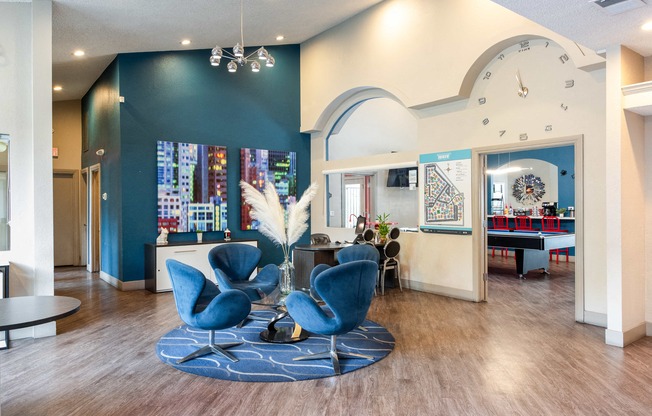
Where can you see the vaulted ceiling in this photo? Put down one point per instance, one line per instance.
(105, 28)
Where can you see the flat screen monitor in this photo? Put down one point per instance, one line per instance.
(360, 225)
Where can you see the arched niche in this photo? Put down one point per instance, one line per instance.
(372, 127)
(369, 135)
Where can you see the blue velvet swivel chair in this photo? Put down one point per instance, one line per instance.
(347, 290)
(233, 263)
(346, 255)
(201, 305)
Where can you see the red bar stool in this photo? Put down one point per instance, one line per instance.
(554, 224)
(523, 223)
(500, 222)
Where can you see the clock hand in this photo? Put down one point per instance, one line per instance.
(522, 91)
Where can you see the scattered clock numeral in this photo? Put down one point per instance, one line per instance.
(564, 58)
(501, 56)
(564, 107)
(570, 83)
(502, 132)
(482, 100)
(485, 121)
(547, 43)
(549, 127)
(524, 46)
(487, 75)
(522, 136)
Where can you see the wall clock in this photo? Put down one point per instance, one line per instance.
(531, 79)
(528, 189)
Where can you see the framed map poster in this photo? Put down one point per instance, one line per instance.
(446, 202)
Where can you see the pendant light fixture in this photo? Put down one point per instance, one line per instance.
(238, 57)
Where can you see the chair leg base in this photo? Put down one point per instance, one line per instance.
(217, 349)
(334, 354)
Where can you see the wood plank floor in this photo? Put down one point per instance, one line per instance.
(521, 353)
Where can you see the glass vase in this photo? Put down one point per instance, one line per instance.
(287, 275)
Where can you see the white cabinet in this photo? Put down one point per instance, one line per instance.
(193, 254)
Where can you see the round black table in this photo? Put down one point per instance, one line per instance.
(26, 311)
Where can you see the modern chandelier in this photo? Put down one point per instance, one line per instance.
(237, 57)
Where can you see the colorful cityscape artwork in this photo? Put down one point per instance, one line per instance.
(259, 166)
(191, 187)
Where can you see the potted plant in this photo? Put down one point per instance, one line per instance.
(199, 236)
(561, 211)
(383, 227)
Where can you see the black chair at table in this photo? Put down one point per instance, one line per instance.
(391, 250)
(394, 233)
(368, 236)
(319, 238)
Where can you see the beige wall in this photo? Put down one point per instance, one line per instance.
(66, 123)
(441, 48)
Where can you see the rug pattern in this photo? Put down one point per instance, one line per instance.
(262, 361)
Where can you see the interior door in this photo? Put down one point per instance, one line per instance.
(66, 238)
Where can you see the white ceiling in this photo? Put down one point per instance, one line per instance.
(588, 24)
(104, 28)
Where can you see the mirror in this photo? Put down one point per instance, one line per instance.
(4, 192)
(370, 193)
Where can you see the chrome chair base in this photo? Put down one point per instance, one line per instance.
(334, 354)
(212, 347)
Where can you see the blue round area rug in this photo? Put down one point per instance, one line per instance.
(262, 361)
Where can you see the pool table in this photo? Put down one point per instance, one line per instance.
(531, 247)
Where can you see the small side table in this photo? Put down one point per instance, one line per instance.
(25, 311)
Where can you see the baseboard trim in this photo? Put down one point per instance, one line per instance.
(439, 290)
(622, 339)
(595, 318)
(648, 330)
(120, 285)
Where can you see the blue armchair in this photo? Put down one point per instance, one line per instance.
(347, 290)
(346, 255)
(200, 304)
(233, 263)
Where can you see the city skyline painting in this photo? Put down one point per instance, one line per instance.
(191, 184)
(259, 166)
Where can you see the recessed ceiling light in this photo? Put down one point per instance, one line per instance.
(185, 42)
(647, 26)
(57, 88)
(280, 37)
(79, 52)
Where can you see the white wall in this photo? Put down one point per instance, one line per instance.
(450, 43)
(26, 114)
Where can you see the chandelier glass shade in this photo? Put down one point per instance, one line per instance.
(237, 56)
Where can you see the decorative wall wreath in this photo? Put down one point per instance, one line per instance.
(528, 189)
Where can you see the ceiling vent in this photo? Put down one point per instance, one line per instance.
(618, 6)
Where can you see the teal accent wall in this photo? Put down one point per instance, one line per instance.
(178, 96)
(102, 115)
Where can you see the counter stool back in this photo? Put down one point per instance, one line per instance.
(553, 224)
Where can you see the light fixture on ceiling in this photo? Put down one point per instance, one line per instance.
(647, 26)
(238, 57)
(186, 42)
(79, 53)
(280, 38)
(57, 88)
